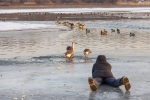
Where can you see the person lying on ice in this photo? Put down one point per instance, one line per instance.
(101, 74)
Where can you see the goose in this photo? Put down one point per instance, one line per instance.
(118, 30)
(104, 33)
(72, 25)
(112, 30)
(70, 52)
(132, 34)
(82, 26)
(66, 23)
(78, 24)
(58, 22)
(87, 31)
(87, 52)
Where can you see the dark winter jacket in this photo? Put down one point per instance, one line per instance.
(101, 68)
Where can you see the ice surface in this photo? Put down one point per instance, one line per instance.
(23, 25)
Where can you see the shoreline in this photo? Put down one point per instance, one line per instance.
(35, 6)
(74, 14)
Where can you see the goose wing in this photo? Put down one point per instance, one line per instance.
(69, 48)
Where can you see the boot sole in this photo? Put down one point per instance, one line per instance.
(92, 84)
(127, 84)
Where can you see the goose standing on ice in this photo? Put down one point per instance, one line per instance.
(70, 52)
(87, 52)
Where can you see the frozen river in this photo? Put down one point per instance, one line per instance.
(33, 67)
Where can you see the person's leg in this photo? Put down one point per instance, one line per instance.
(118, 82)
(94, 83)
(113, 81)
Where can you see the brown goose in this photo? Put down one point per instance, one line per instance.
(70, 52)
(58, 22)
(82, 26)
(66, 23)
(87, 52)
(104, 33)
(72, 25)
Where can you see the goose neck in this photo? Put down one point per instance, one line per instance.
(73, 46)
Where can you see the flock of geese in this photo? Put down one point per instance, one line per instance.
(72, 25)
(70, 52)
(70, 49)
(83, 27)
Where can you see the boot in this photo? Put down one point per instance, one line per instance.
(93, 84)
(126, 83)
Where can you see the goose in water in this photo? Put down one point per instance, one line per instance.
(87, 31)
(82, 26)
(104, 33)
(132, 34)
(118, 30)
(66, 23)
(87, 52)
(70, 52)
(72, 25)
(112, 30)
(58, 22)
